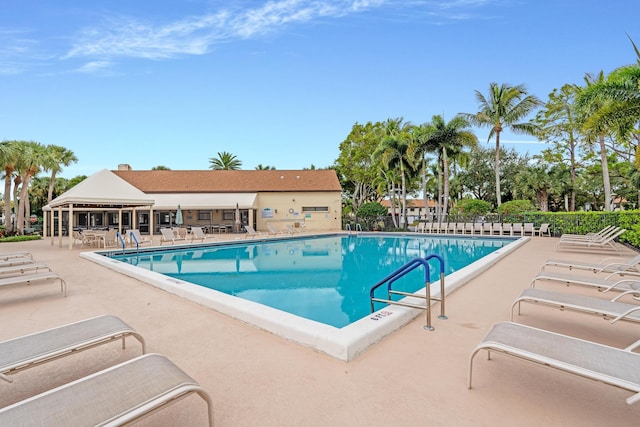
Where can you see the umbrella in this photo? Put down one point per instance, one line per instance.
(179, 216)
(237, 217)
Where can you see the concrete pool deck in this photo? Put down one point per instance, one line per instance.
(411, 377)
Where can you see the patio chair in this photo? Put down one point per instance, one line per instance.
(34, 349)
(607, 265)
(496, 228)
(603, 284)
(608, 309)
(477, 228)
(110, 238)
(420, 227)
(169, 235)
(610, 365)
(528, 229)
(516, 229)
(198, 234)
(544, 229)
(135, 238)
(115, 396)
(486, 228)
(27, 279)
(605, 244)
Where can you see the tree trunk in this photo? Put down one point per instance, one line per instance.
(404, 198)
(605, 175)
(497, 166)
(7, 199)
(445, 175)
(52, 182)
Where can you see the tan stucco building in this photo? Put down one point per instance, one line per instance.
(148, 200)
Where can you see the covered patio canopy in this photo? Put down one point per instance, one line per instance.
(101, 191)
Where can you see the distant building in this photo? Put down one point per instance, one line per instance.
(415, 209)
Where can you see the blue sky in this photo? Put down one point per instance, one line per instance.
(280, 82)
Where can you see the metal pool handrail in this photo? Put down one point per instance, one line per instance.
(402, 271)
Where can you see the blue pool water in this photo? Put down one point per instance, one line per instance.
(325, 279)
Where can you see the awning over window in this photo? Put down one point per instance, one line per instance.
(204, 201)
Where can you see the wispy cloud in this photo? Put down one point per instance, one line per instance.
(121, 37)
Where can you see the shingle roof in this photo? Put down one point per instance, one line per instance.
(222, 181)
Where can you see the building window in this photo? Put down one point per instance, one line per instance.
(228, 214)
(315, 209)
(204, 215)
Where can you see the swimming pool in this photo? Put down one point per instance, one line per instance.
(312, 289)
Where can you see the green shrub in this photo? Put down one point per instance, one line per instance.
(515, 207)
(471, 208)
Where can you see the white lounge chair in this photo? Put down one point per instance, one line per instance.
(603, 284)
(31, 350)
(609, 309)
(273, 231)
(607, 265)
(27, 279)
(516, 229)
(251, 232)
(198, 234)
(136, 239)
(17, 270)
(610, 365)
(10, 255)
(114, 396)
(16, 261)
(603, 232)
(169, 235)
(606, 243)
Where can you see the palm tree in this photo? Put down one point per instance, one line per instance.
(32, 155)
(225, 161)
(593, 105)
(558, 123)
(505, 107)
(446, 139)
(260, 167)
(57, 157)
(393, 153)
(8, 157)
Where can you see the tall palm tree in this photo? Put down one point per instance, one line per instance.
(32, 155)
(558, 123)
(504, 108)
(225, 161)
(56, 158)
(592, 102)
(393, 153)
(8, 157)
(446, 139)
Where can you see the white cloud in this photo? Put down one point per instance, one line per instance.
(127, 37)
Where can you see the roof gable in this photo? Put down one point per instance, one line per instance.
(105, 188)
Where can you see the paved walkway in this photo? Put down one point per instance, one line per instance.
(411, 378)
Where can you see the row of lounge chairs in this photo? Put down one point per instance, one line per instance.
(484, 228)
(19, 268)
(114, 396)
(615, 366)
(173, 235)
(604, 240)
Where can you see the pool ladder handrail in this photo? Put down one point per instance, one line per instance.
(358, 228)
(402, 271)
(121, 239)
